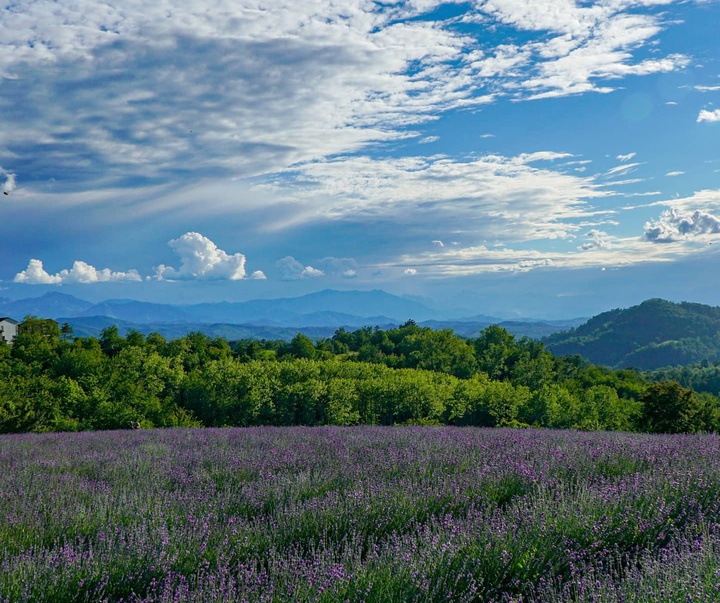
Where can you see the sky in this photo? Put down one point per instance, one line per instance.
(549, 158)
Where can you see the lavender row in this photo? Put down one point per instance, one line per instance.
(359, 514)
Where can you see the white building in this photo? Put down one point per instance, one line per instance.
(8, 328)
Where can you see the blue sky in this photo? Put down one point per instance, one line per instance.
(533, 157)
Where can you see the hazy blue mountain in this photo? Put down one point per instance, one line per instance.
(365, 304)
(654, 334)
(92, 326)
(317, 315)
(49, 305)
(341, 307)
(138, 312)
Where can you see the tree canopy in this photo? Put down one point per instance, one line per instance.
(52, 381)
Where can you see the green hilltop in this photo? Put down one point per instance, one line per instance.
(651, 335)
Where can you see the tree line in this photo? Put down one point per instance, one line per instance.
(52, 381)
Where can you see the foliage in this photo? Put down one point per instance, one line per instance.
(670, 408)
(50, 381)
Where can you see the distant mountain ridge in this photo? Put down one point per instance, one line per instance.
(316, 315)
(327, 306)
(653, 334)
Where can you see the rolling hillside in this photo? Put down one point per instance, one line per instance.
(654, 334)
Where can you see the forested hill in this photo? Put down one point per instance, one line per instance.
(654, 334)
(51, 380)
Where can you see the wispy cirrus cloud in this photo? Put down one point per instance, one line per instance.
(623, 168)
(526, 197)
(248, 89)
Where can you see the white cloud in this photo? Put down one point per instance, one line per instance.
(622, 169)
(35, 274)
(428, 139)
(527, 265)
(258, 275)
(250, 88)
(201, 259)
(706, 115)
(540, 156)
(592, 43)
(245, 88)
(707, 88)
(410, 271)
(291, 269)
(490, 196)
(609, 251)
(598, 239)
(9, 185)
(627, 157)
(675, 225)
(80, 273)
(437, 243)
(672, 174)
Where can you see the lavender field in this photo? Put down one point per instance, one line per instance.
(366, 514)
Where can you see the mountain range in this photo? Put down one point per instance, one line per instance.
(316, 315)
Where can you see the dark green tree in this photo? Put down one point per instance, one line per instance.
(302, 346)
(668, 407)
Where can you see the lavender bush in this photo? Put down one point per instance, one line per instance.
(365, 514)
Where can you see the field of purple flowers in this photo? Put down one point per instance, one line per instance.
(366, 514)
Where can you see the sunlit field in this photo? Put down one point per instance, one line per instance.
(364, 514)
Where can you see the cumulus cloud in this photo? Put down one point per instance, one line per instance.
(201, 259)
(675, 225)
(292, 270)
(598, 239)
(35, 274)
(80, 273)
(706, 115)
(410, 271)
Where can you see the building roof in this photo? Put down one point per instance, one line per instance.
(8, 319)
